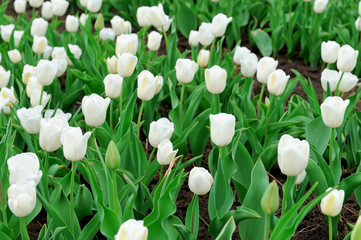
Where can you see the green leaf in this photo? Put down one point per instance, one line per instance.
(186, 20)
(228, 230)
(184, 232)
(91, 229)
(318, 134)
(192, 216)
(263, 41)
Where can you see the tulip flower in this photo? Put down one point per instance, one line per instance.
(249, 63)
(71, 23)
(132, 229)
(219, 24)
(300, 178)
(46, 72)
(59, 52)
(126, 64)
(205, 34)
(203, 58)
(113, 85)
(74, 143)
(158, 84)
(83, 18)
(19, 6)
(126, 43)
(222, 128)
(47, 10)
(33, 86)
(112, 64)
(143, 16)
(6, 31)
(356, 232)
(265, 67)
(330, 77)
(193, 38)
(17, 37)
(39, 44)
(47, 52)
(94, 108)
(28, 71)
(22, 198)
(50, 132)
(185, 70)
(239, 53)
(38, 27)
(3, 102)
(277, 82)
(146, 85)
(160, 130)
(59, 7)
(331, 205)
(120, 26)
(107, 33)
(154, 40)
(59, 113)
(165, 154)
(216, 78)
(347, 58)
(14, 56)
(158, 18)
(4, 77)
(293, 155)
(8, 93)
(333, 111)
(75, 50)
(200, 181)
(35, 3)
(358, 24)
(35, 98)
(320, 5)
(93, 5)
(61, 66)
(24, 166)
(348, 82)
(99, 22)
(270, 200)
(30, 118)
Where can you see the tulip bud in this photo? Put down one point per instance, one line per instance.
(113, 85)
(47, 10)
(193, 38)
(126, 64)
(35, 98)
(331, 205)
(14, 56)
(74, 143)
(59, 113)
(6, 31)
(160, 130)
(320, 5)
(112, 156)
(216, 78)
(249, 63)
(61, 66)
(17, 37)
(94, 108)
(132, 229)
(19, 6)
(222, 128)
(50, 132)
(33, 86)
(99, 23)
(219, 24)
(143, 16)
(39, 44)
(35, 3)
(165, 153)
(200, 181)
(59, 7)
(185, 70)
(270, 200)
(348, 82)
(277, 82)
(112, 64)
(358, 24)
(146, 85)
(331, 78)
(71, 23)
(265, 67)
(22, 198)
(83, 18)
(356, 232)
(239, 53)
(154, 40)
(24, 166)
(293, 155)
(4, 77)
(107, 33)
(300, 178)
(203, 58)
(94, 5)
(46, 72)
(127, 43)
(38, 27)
(30, 118)
(333, 111)
(206, 36)
(347, 58)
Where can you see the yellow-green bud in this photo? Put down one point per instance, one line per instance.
(270, 199)
(356, 232)
(99, 23)
(112, 156)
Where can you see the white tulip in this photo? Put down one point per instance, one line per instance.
(205, 34)
(358, 24)
(200, 181)
(219, 24)
(39, 44)
(158, 83)
(107, 33)
(35, 3)
(75, 50)
(249, 63)
(113, 85)
(347, 58)
(127, 43)
(83, 18)
(59, 7)
(143, 16)
(24, 166)
(331, 78)
(4, 77)
(59, 52)
(59, 113)
(8, 93)
(112, 64)
(126, 64)
(146, 85)
(265, 67)
(46, 72)
(157, 16)
(94, 5)
(203, 58)
(216, 78)
(38, 27)
(17, 37)
(132, 230)
(28, 71)
(239, 53)
(154, 40)
(15, 56)
(50, 132)
(35, 98)
(277, 82)
(300, 178)
(120, 26)
(320, 5)
(193, 38)
(74, 143)
(61, 66)
(160, 130)
(185, 70)
(331, 205)
(348, 82)
(3, 102)
(71, 23)
(333, 111)
(329, 51)
(6, 31)
(30, 118)
(94, 108)
(33, 86)
(47, 52)
(165, 153)
(22, 198)
(222, 128)
(359, 8)
(19, 6)
(47, 10)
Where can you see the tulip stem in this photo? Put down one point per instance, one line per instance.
(287, 194)
(115, 191)
(195, 198)
(111, 118)
(46, 166)
(149, 57)
(266, 227)
(165, 40)
(139, 119)
(267, 116)
(3, 209)
(121, 99)
(73, 170)
(338, 84)
(329, 228)
(23, 230)
(260, 101)
(160, 173)
(41, 95)
(181, 103)
(330, 160)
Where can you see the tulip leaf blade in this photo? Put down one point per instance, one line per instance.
(184, 232)
(263, 41)
(186, 20)
(228, 230)
(318, 134)
(91, 229)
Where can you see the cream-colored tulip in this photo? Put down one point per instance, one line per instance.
(146, 85)
(46, 72)
(94, 108)
(50, 132)
(331, 205)
(160, 130)
(35, 98)
(47, 10)
(30, 118)
(112, 64)
(4, 77)
(39, 44)
(14, 56)
(277, 82)
(265, 67)
(74, 143)
(33, 86)
(113, 85)
(203, 58)
(22, 198)
(6, 31)
(71, 23)
(126, 64)
(154, 40)
(219, 24)
(38, 27)
(24, 166)
(126, 43)
(185, 70)
(200, 181)
(216, 78)
(333, 111)
(347, 58)
(165, 153)
(132, 230)
(239, 53)
(222, 128)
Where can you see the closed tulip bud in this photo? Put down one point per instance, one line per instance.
(47, 10)
(239, 53)
(165, 153)
(219, 24)
(160, 130)
(132, 229)
(347, 58)
(293, 155)
(33, 86)
(249, 64)
(206, 36)
(143, 16)
(35, 99)
(107, 33)
(94, 108)
(331, 205)
(74, 143)
(154, 40)
(348, 82)
(277, 82)
(38, 27)
(126, 43)
(356, 232)
(112, 64)
(203, 58)
(320, 5)
(19, 6)
(17, 37)
(333, 111)
(112, 156)
(8, 93)
(146, 85)
(358, 24)
(200, 181)
(94, 5)
(75, 50)
(28, 71)
(4, 77)
(59, 7)
(6, 31)
(216, 78)
(99, 23)
(222, 128)
(59, 113)
(50, 132)
(24, 166)
(126, 64)
(22, 198)
(329, 51)
(329, 77)
(83, 18)
(193, 38)
(270, 200)
(39, 44)
(265, 67)
(300, 178)
(158, 83)
(14, 56)
(61, 66)
(185, 70)
(35, 3)
(71, 23)
(30, 118)
(46, 72)
(113, 85)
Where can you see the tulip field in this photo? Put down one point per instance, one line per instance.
(180, 120)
